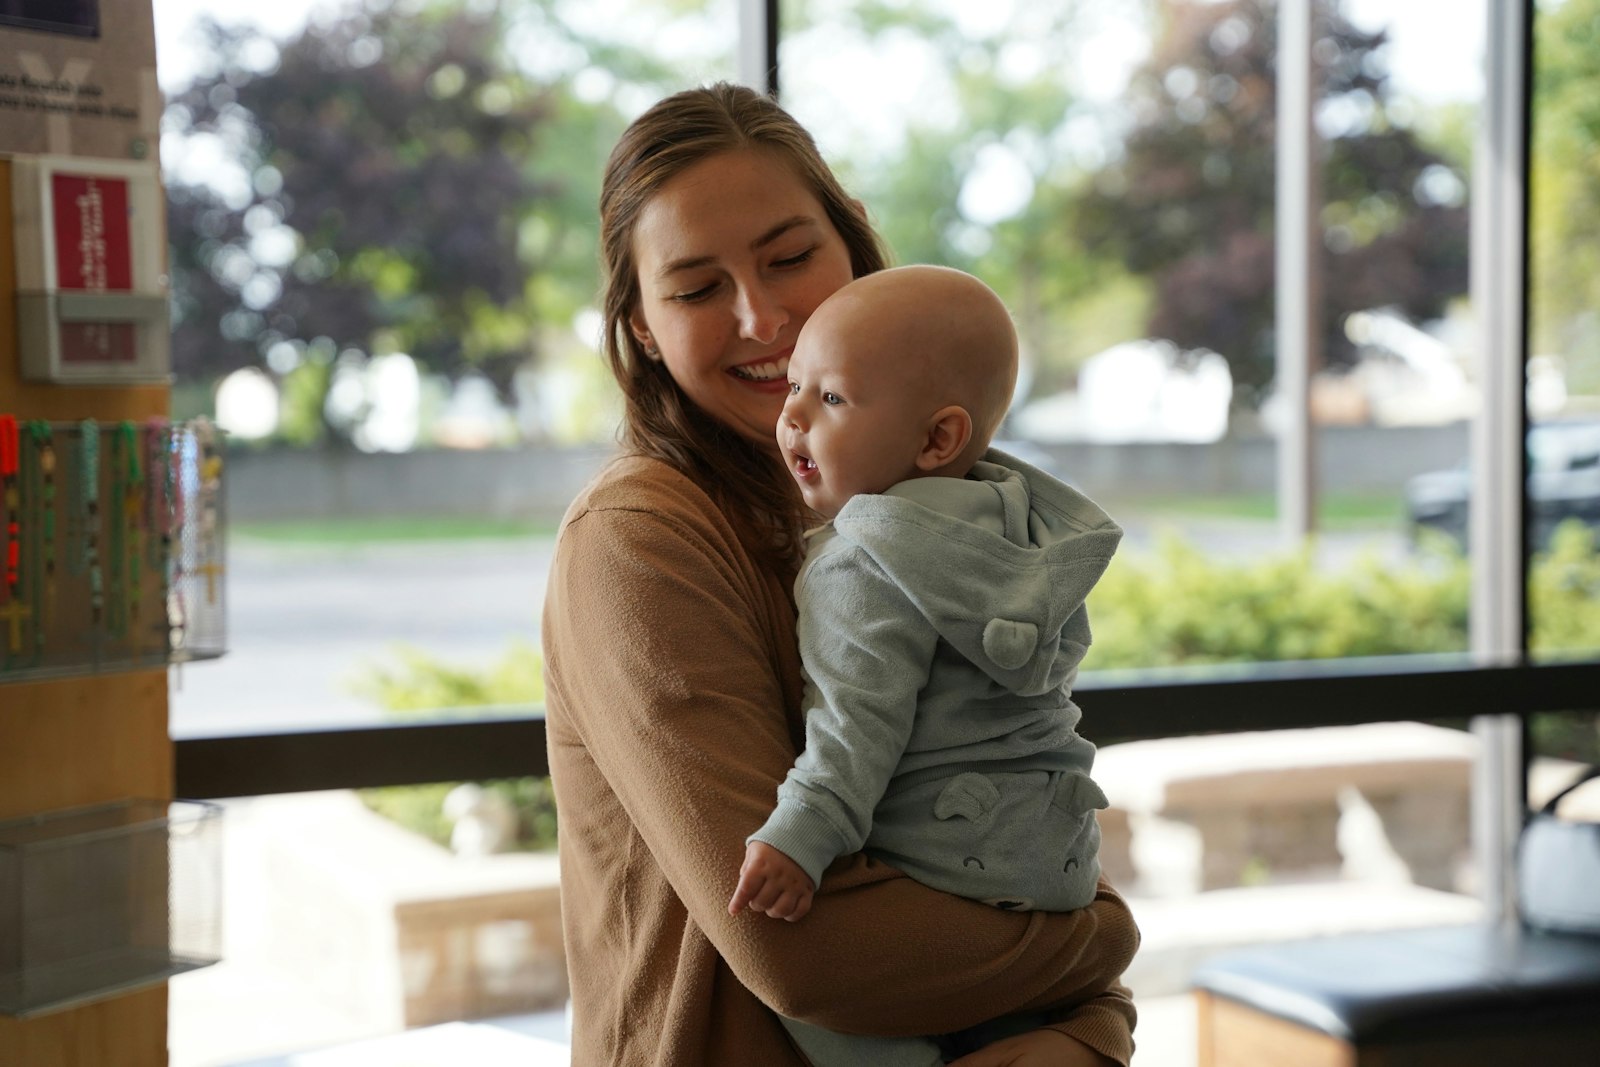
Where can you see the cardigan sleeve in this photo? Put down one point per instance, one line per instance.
(1104, 1023)
(656, 642)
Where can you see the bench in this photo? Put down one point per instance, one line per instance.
(1267, 807)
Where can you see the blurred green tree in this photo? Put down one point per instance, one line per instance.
(983, 184)
(411, 187)
(1190, 201)
(1564, 189)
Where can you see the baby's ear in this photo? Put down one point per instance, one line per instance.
(949, 430)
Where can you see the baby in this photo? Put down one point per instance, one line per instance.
(941, 624)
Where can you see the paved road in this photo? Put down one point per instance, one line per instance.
(303, 621)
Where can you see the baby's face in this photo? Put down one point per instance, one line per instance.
(853, 422)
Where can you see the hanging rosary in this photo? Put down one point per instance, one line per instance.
(158, 493)
(127, 499)
(87, 515)
(69, 582)
(208, 502)
(13, 611)
(39, 517)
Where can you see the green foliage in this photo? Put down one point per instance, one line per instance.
(419, 808)
(423, 687)
(1175, 606)
(1564, 189)
(426, 183)
(1189, 201)
(1002, 110)
(300, 411)
(1564, 603)
(385, 148)
(357, 532)
(1564, 594)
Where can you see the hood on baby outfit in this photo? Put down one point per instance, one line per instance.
(999, 562)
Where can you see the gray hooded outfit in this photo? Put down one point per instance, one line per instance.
(941, 625)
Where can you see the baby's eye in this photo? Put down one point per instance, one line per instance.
(832, 398)
(794, 388)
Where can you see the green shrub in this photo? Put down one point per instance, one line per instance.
(1174, 606)
(1564, 604)
(422, 687)
(1564, 595)
(419, 808)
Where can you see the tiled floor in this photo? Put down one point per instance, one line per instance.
(504, 1043)
(1166, 1039)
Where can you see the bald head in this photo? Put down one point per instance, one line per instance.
(939, 332)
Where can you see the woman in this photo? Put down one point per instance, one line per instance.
(673, 682)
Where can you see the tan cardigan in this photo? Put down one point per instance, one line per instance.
(669, 652)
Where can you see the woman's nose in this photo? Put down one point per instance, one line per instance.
(761, 316)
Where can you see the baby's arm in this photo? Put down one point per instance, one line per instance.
(773, 884)
(866, 651)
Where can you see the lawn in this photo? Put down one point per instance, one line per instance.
(356, 531)
(1334, 510)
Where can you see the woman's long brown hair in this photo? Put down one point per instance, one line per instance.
(757, 495)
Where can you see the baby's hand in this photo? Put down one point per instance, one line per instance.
(771, 883)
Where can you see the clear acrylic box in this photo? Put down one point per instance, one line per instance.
(103, 900)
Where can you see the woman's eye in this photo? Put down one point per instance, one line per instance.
(694, 296)
(795, 261)
(832, 398)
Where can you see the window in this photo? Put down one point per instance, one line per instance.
(1111, 170)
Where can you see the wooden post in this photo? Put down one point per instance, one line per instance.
(81, 741)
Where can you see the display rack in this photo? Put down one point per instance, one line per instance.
(103, 900)
(111, 546)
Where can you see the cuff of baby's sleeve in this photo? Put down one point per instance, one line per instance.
(804, 836)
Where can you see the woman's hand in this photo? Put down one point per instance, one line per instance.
(771, 883)
(1036, 1048)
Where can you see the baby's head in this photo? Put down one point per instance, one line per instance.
(904, 373)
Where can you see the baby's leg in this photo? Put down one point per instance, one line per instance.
(965, 1042)
(825, 1048)
(1020, 840)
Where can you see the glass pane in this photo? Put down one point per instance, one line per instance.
(382, 226)
(1109, 169)
(1564, 375)
(383, 927)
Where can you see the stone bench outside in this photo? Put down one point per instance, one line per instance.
(1267, 806)
(401, 931)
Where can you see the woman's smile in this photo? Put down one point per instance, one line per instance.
(769, 373)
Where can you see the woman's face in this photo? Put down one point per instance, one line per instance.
(733, 256)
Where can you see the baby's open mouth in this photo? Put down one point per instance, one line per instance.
(804, 464)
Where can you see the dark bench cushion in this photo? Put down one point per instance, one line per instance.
(1408, 985)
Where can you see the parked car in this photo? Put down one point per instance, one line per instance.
(1563, 483)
